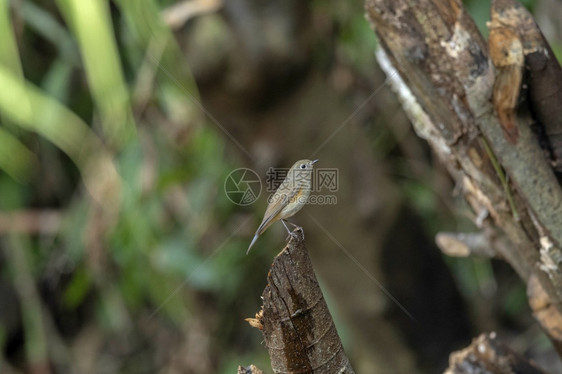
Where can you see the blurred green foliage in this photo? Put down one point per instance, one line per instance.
(114, 95)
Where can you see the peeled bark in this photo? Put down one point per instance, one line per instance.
(544, 74)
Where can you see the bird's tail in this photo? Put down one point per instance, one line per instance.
(252, 243)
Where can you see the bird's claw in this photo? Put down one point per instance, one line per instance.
(295, 235)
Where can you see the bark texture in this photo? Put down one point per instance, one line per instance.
(477, 120)
(297, 326)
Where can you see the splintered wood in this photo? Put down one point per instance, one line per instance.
(297, 326)
(506, 53)
(515, 39)
(548, 316)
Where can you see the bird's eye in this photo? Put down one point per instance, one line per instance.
(303, 166)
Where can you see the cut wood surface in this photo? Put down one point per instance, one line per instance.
(298, 330)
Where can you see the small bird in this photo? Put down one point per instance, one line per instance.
(289, 198)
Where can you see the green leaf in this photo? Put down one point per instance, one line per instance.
(9, 55)
(33, 110)
(15, 158)
(91, 23)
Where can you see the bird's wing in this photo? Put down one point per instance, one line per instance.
(271, 212)
(275, 207)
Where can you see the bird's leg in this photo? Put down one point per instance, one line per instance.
(292, 234)
(286, 228)
(292, 224)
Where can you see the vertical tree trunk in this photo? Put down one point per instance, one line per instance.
(298, 330)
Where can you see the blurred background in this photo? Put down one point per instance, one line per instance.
(120, 251)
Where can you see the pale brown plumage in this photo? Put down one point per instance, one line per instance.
(289, 198)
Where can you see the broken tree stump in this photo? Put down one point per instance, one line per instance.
(298, 330)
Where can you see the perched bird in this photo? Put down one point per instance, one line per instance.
(289, 198)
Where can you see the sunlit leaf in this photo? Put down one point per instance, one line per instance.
(15, 158)
(9, 56)
(91, 22)
(30, 108)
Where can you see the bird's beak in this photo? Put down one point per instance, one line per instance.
(313, 162)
